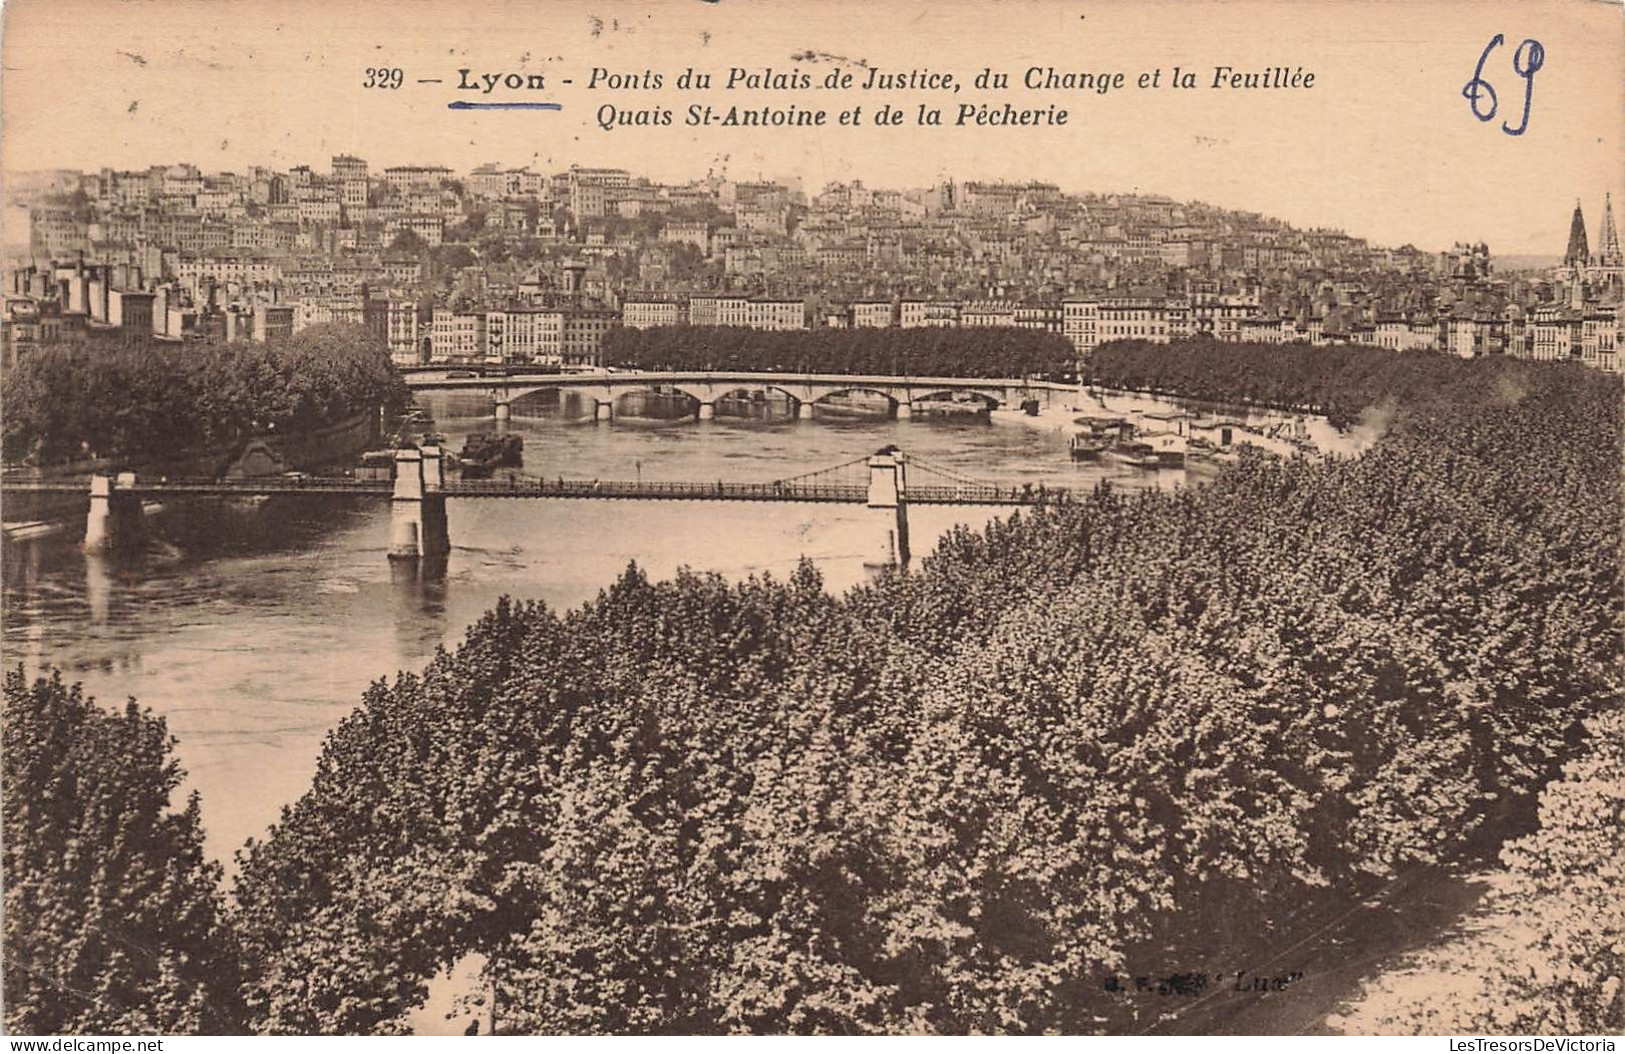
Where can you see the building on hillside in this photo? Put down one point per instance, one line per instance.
(346, 167)
(646, 314)
(272, 322)
(917, 313)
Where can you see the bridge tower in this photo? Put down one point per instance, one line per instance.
(436, 536)
(115, 513)
(888, 491)
(418, 507)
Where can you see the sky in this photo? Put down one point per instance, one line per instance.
(1384, 145)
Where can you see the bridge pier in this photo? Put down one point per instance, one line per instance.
(504, 411)
(605, 411)
(98, 586)
(904, 410)
(115, 518)
(888, 492)
(418, 508)
(804, 410)
(435, 537)
(708, 411)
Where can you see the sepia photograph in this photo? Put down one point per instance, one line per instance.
(717, 517)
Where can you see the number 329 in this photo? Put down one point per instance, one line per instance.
(384, 77)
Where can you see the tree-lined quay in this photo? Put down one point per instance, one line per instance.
(1093, 740)
(136, 405)
(930, 351)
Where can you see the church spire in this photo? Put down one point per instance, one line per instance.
(1609, 254)
(1579, 254)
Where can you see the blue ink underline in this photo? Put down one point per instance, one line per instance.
(461, 105)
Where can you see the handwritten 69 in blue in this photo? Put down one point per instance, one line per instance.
(1526, 62)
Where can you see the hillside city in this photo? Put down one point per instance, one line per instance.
(513, 266)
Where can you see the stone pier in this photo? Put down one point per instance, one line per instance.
(904, 411)
(605, 412)
(418, 507)
(435, 539)
(504, 411)
(115, 513)
(888, 492)
(708, 411)
(804, 411)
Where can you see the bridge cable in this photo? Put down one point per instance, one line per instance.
(823, 471)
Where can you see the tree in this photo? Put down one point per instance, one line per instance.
(452, 257)
(113, 916)
(147, 404)
(1547, 953)
(409, 243)
(973, 352)
(471, 226)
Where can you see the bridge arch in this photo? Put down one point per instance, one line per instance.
(619, 391)
(990, 400)
(824, 393)
(513, 395)
(724, 390)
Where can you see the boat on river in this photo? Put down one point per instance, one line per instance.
(1169, 447)
(1096, 434)
(1136, 453)
(484, 453)
(1150, 450)
(1086, 447)
(1204, 450)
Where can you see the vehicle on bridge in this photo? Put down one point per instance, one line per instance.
(519, 369)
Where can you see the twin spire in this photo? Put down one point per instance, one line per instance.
(1579, 254)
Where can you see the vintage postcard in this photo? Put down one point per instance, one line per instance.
(885, 517)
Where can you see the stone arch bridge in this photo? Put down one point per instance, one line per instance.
(805, 390)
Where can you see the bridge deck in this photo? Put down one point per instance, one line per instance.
(420, 381)
(835, 493)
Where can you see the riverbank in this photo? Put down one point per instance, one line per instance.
(1061, 417)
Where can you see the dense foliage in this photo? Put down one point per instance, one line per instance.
(113, 917)
(918, 351)
(1115, 736)
(1548, 955)
(1569, 887)
(135, 404)
(1341, 381)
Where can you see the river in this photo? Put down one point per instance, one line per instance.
(254, 628)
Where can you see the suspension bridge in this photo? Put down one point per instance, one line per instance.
(886, 480)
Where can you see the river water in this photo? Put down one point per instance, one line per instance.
(254, 628)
